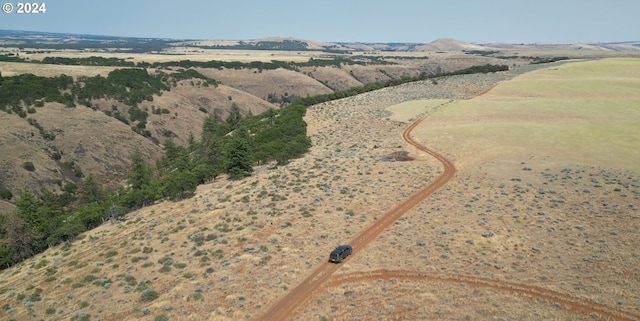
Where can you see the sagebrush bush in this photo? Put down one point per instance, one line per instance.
(148, 295)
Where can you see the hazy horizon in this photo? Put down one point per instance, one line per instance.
(383, 21)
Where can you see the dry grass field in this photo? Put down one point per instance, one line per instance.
(547, 196)
(539, 222)
(44, 70)
(583, 114)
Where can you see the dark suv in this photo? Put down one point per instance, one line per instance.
(340, 253)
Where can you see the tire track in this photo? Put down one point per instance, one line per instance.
(287, 305)
(576, 304)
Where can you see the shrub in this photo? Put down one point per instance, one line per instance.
(111, 253)
(29, 166)
(205, 260)
(195, 297)
(41, 264)
(161, 317)
(5, 194)
(130, 279)
(148, 295)
(89, 278)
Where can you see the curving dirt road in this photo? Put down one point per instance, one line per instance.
(576, 304)
(286, 306)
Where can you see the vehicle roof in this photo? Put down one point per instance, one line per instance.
(342, 247)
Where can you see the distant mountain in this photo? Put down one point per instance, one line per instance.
(23, 35)
(52, 40)
(57, 41)
(448, 44)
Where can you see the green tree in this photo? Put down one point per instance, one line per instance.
(68, 195)
(235, 116)
(175, 158)
(280, 135)
(16, 239)
(91, 191)
(143, 188)
(237, 154)
(90, 215)
(179, 184)
(141, 173)
(65, 230)
(191, 143)
(28, 206)
(114, 211)
(40, 217)
(52, 216)
(213, 134)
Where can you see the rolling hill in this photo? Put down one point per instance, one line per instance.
(517, 233)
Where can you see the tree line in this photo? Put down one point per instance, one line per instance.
(336, 61)
(312, 100)
(225, 147)
(20, 93)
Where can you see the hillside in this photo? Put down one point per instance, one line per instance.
(175, 112)
(517, 233)
(449, 45)
(255, 75)
(99, 144)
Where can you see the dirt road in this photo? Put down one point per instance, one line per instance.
(287, 305)
(323, 277)
(575, 304)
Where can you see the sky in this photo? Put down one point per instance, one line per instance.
(381, 21)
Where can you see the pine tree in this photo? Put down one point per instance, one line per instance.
(16, 239)
(213, 133)
(91, 192)
(235, 116)
(237, 154)
(141, 173)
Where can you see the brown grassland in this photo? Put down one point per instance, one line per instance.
(539, 222)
